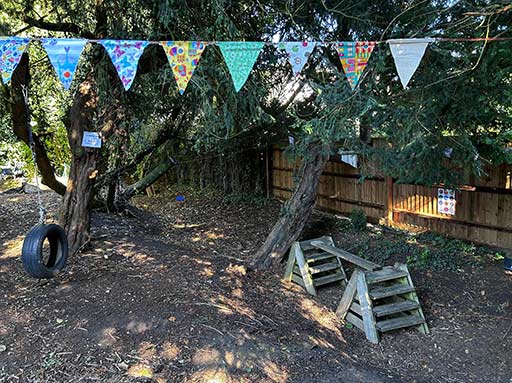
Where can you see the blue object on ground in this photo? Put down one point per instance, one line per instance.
(507, 264)
(180, 198)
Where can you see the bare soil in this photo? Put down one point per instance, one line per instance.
(165, 297)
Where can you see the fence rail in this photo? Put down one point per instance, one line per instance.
(483, 209)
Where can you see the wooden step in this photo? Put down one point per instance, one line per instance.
(328, 279)
(393, 308)
(386, 274)
(389, 291)
(361, 262)
(400, 322)
(319, 257)
(324, 267)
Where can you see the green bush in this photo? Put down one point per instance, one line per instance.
(358, 219)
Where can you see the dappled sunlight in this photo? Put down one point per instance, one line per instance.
(326, 319)
(211, 375)
(274, 372)
(12, 248)
(138, 327)
(169, 351)
(108, 337)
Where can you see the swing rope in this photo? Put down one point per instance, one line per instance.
(42, 210)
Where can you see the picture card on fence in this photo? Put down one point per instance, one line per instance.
(91, 140)
(446, 201)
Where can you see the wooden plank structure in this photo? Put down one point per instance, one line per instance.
(483, 213)
(310, 267)
(377, 301)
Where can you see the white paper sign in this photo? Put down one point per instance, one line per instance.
(91, 140)
(446, 201)
(350, 159)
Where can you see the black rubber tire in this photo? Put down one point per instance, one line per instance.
(32, 252)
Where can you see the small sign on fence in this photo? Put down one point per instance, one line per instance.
(91, 140)
(446, 201)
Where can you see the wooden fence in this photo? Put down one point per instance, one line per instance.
(483, 209)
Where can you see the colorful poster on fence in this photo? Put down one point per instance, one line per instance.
(446, 201)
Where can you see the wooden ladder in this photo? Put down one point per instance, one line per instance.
(382, 300)
(310, 267)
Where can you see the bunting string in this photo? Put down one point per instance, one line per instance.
(239, 56)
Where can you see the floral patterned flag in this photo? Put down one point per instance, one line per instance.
(11, 50)
(125, 55)
(183, 57)
(240, 58)
(298, 53)
(354, 56)
(407, 54)
(64, 55)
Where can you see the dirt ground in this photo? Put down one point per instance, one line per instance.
(164, 297)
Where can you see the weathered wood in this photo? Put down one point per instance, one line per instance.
(304, 269)
(306, 245)
(400, 322)
(351, 318)
(366, 309)
(348, 296)
(324, 267)
(345, 255)
(319, 257)
(289, 265)
(423, 328)
(393, 308)
(389, 291)
(329, 279)
(386, 274)
(356, 308)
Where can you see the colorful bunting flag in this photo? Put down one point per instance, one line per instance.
(64, 55)
(407, 54)
(125, 55)
(298, 53)
(354, 56)
(11, 50)
(183, 57)
(240, 58)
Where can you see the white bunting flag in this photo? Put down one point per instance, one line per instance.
(350, 159)
(407, 54)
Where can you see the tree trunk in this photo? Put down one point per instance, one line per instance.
(296, 212)
(148, 180)
(75, 216)
(20, 120)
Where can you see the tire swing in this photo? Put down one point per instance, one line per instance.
(40, 261)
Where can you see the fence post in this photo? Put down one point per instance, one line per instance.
(389, 201)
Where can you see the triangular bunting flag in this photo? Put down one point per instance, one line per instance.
(354, 56)
(64, 55)
(240, 58)
(407, 54)
(125, 55)
(350, 159)
(298, 53)
(11, 50)
(183, 57)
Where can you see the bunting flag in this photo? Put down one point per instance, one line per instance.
(407, 54)
(350, 159)
(125, 55)
(240, 58)
(11, 50)
(298, 53)
(64, 55)
(354, 56)
(183, 57)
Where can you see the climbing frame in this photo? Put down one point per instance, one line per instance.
(311, 267)
(382, 300)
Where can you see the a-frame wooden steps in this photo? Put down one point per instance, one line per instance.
(311, 267)
(382, 300)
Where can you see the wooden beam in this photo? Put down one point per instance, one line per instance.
(366, 309)
(348, 296)
(345, 255)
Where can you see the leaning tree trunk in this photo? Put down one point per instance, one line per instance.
(75, 216)
(296, 212)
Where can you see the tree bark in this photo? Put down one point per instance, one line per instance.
(148, 180)
(296, 211)
(75, 216)
(20, 120)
